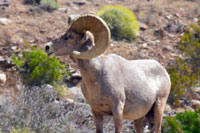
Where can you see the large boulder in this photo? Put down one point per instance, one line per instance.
(4, 21)
(195, 104)
(5, 2)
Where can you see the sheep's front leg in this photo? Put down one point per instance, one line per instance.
(118, 116)
(98, 119)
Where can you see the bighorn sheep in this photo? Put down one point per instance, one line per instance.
(111, 84)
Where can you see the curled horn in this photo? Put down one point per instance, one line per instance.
(98, 28)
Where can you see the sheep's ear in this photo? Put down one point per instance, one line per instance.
(84, 37)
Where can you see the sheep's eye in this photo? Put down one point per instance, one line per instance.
(66, 38)
(70, 37)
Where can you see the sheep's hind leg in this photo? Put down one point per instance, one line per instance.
(98, 119)
(139, 125)
(158, 113)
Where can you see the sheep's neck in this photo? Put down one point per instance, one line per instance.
(86, 66)
(89, 69)
(89, 74)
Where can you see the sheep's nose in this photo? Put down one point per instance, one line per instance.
(47, 48)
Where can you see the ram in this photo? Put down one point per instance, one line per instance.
(112, 85)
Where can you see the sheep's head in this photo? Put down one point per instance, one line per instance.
(84, 30)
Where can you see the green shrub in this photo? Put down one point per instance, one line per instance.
(49, 5)
(22, 130)
(185, 73)
(61, 90)
(36, 68)
(121, 21)
(182, 80)
(187, 122)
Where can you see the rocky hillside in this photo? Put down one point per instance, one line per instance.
(162, 23)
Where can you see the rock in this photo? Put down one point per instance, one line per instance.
(168, 108)
(197, 89)
(188, 108)
(168, 48)
(180, 109)
(68, 3)
(1, 59)
(159, 33)
(142, 26)
(71, 17)
(193, 93)
(195, 19)
(76, 75)
(89, 12)
(75, 93)
(178, 28)
(177, 15)
(80, 3)
(6, 62)
(73, 79)
(195, 104)
(63, 10)
(171, 62)
(2, 78)
(171, 35)
(75, 7)
(184, 101)
(13, 47)
(5, 2)
(69, 100)
(112, 45)
(169, 17)
(145, 45)
(181, 9)
(4, 21)
(157, 41)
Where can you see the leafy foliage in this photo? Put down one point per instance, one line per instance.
(22, 130)
(37, 109)
(185, 73)
(121, 21)
(36, 68)
(61, 90)
(49, 5)
(187, 122)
